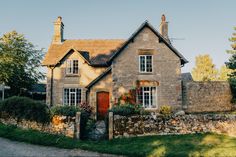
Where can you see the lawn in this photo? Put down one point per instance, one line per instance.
(168, 145)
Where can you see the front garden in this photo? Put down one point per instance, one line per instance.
(128, 116)
(169, 145)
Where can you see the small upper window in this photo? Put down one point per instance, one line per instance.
(72, 66)
(145, 63)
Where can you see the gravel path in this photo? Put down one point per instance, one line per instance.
(19, 149)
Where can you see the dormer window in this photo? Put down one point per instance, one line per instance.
(72, 66)
(145, 63)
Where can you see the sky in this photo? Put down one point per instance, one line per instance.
(200, 26)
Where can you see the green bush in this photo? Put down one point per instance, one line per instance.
(25, 108)
(64, 110)
(126, 109)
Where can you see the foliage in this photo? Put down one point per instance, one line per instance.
(233, 45)
(84, 106)
(129, 97)
(224, 73)
(64, 110)
(84, 121)
(232, 82)
(165, 110)
(127, 109)
(231, 64)
(165, 145)
(19, 62)
(26, 108)
(204, 70)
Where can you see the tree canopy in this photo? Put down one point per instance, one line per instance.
(205, 69)
(19, 62)
(231, 64)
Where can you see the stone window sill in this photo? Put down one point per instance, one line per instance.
(72, 75)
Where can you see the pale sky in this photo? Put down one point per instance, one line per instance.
(205, 25)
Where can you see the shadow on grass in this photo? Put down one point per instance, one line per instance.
(168, 145)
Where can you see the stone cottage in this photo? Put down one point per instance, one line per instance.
(100, 71)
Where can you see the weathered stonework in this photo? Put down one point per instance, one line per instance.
(105, 84)
(60, 125)
(61, 80)
(206, 96)
(175, 124)
(166, 69)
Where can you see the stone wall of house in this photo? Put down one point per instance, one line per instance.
(104, 85)
(206, 96)
(176, 124)
(60, 125)
(166, 69)
(62, 80)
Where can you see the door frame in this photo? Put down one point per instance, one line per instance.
(99, 91)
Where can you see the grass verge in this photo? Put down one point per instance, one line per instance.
(169, 145)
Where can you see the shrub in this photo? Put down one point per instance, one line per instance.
(126, 109)
(64, 110)
(26, 108)
(165, 110)
(232, 82)
(84, 106)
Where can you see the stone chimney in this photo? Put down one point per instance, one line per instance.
(58, 31)
(164, 27)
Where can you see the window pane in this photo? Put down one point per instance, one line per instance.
(68, 67)
(66, 96)
(75, 67)
(72, 98)
(149, 63)
(142, 63)
(140, 96)
(154, 97)
(146, 99)
(78, 96)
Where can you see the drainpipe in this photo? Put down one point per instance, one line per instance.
(51, 90)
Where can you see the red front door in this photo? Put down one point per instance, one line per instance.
(102, 103)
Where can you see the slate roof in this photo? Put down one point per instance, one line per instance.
(100, 50)
(186, 77)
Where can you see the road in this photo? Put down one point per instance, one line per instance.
(10, 148)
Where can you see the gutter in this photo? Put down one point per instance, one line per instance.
(51, 90)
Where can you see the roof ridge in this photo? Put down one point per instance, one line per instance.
(96, 39)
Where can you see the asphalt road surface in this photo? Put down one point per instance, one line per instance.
(10, 148)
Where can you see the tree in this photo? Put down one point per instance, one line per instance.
(204, 70)
(224, 73)
(19, 62)
(231, 64)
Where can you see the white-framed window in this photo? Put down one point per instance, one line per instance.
(147, 96)
(72, 66)
(72, 96)
(145, 63)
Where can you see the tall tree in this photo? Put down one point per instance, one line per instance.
(231, 64)
(19, 62)
(205, 69)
